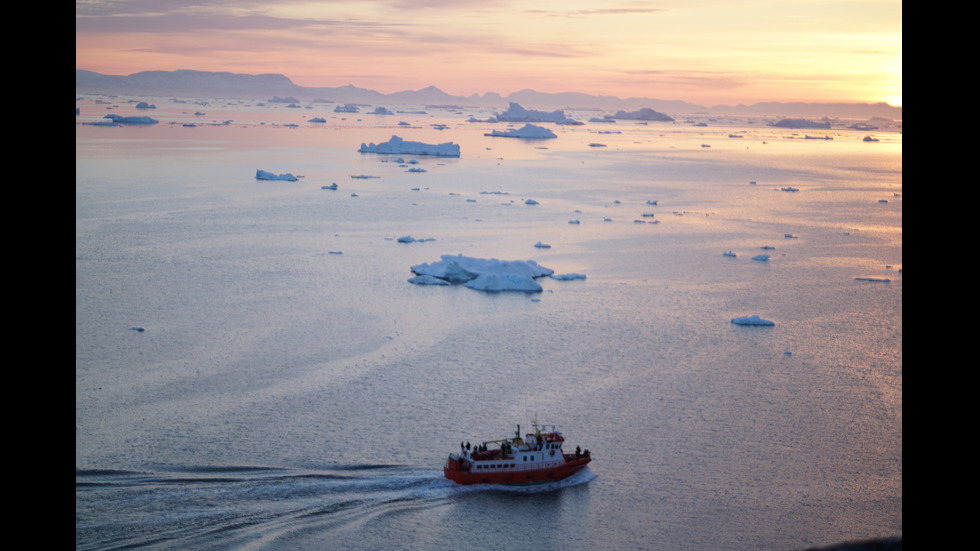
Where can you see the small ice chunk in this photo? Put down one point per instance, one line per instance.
(567, 277)
(119, 119)
(528, 131)
(761, 257)
(263, 175)
(751, 320)
(541, 245)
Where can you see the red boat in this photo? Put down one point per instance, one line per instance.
(537, 458)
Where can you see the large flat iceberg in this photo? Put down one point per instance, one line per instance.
(482, 274)
(398, 146)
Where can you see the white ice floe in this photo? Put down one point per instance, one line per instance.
(516, 113)
(528, 132)
(761, 257)
(398, 146)
(489, 275)
(751, 320)
(263, 175)
(567, 277)
(410, 239)
(873, 278)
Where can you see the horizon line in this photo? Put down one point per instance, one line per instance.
(504, 96)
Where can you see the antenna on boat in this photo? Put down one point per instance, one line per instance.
(525, 407)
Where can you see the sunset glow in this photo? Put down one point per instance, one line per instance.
(708, 52)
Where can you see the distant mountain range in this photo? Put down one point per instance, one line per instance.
(265, 87)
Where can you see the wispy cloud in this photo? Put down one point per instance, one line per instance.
(616, 48)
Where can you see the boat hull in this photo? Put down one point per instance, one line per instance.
(516, 477)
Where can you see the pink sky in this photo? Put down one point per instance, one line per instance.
(704, 51)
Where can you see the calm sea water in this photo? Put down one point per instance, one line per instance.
(291, 390)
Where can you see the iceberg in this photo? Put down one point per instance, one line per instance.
(263, 175)
(799, 123)
(490, 275)
(644, 114)
(398, 146)
(751, 320)
(516, 113)
(118, 119)
(427, 280)
(528, 131)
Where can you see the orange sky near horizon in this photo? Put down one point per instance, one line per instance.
(709, 52)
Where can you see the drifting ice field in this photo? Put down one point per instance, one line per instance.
(251, 354)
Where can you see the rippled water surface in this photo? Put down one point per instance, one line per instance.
(290, 389)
